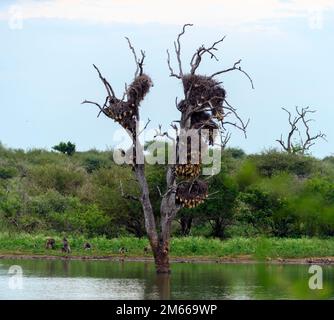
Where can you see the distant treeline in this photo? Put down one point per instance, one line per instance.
(270, 194)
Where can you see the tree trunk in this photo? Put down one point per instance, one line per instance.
(161, 258)
(168, 209)
(218, 228)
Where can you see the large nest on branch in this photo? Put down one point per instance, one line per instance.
(191, 194)
(122, 112)
(139, 88)
(205, 92)
(126, 112)
(188, 170)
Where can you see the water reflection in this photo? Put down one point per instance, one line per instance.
(68, 279)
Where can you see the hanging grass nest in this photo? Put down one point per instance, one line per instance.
(188, 170)
(201, 90)
(191, 194)
(192, 166)
(139, 88)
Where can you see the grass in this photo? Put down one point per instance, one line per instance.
(27, 244)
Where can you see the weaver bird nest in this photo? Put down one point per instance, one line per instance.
(188, 170)
(191, 194)
(126, 112)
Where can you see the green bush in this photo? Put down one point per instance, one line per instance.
(64, 179)
(273, 162)
(7, 172)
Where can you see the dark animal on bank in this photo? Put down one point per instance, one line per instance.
(87, 246)
(147, 250)
(66, 247)
(122, 250)
(50, 243)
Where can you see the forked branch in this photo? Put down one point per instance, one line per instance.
(303, 144)
(237, 67)
(177, 48)
(139, 62)
(197, 57)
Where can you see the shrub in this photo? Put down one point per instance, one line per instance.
(273, 162)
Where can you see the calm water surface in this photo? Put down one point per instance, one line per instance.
(59, 279)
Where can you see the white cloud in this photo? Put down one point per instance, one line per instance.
(209, 12)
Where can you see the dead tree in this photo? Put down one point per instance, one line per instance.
(299, 139)
(204, 106)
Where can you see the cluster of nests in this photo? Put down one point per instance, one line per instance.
(191, 194)
(206, 97)
(126, 112)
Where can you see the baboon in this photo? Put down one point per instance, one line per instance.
(122, 250)
(66, 247)
(87, 246)
(50, 244)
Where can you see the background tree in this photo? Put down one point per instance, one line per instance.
(299, 139)
(66, 148)
(203, 107)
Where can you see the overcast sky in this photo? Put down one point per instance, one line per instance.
(48, 48)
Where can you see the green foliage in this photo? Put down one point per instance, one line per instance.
(235, 153)
(273, 162)
(64, 179)
(219, 211)
(92, 164)
(269, 194)
(87, 220)
(66, 148)
(197, 247)
(247, 174)
(7, 172)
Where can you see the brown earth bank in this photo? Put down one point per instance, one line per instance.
(238, 259)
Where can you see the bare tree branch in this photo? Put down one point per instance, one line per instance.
(303, 145)
(147, 123)
(237, 67)
(95, 103)
(225, 139)
(107, 85)
(159, 133)
(139, 62)
(239, 124)
(197, 57)
(177, 48)
(172, 73)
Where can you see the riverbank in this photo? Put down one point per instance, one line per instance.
(224, 260)
(186, 249)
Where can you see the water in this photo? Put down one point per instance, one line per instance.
(75, 279)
